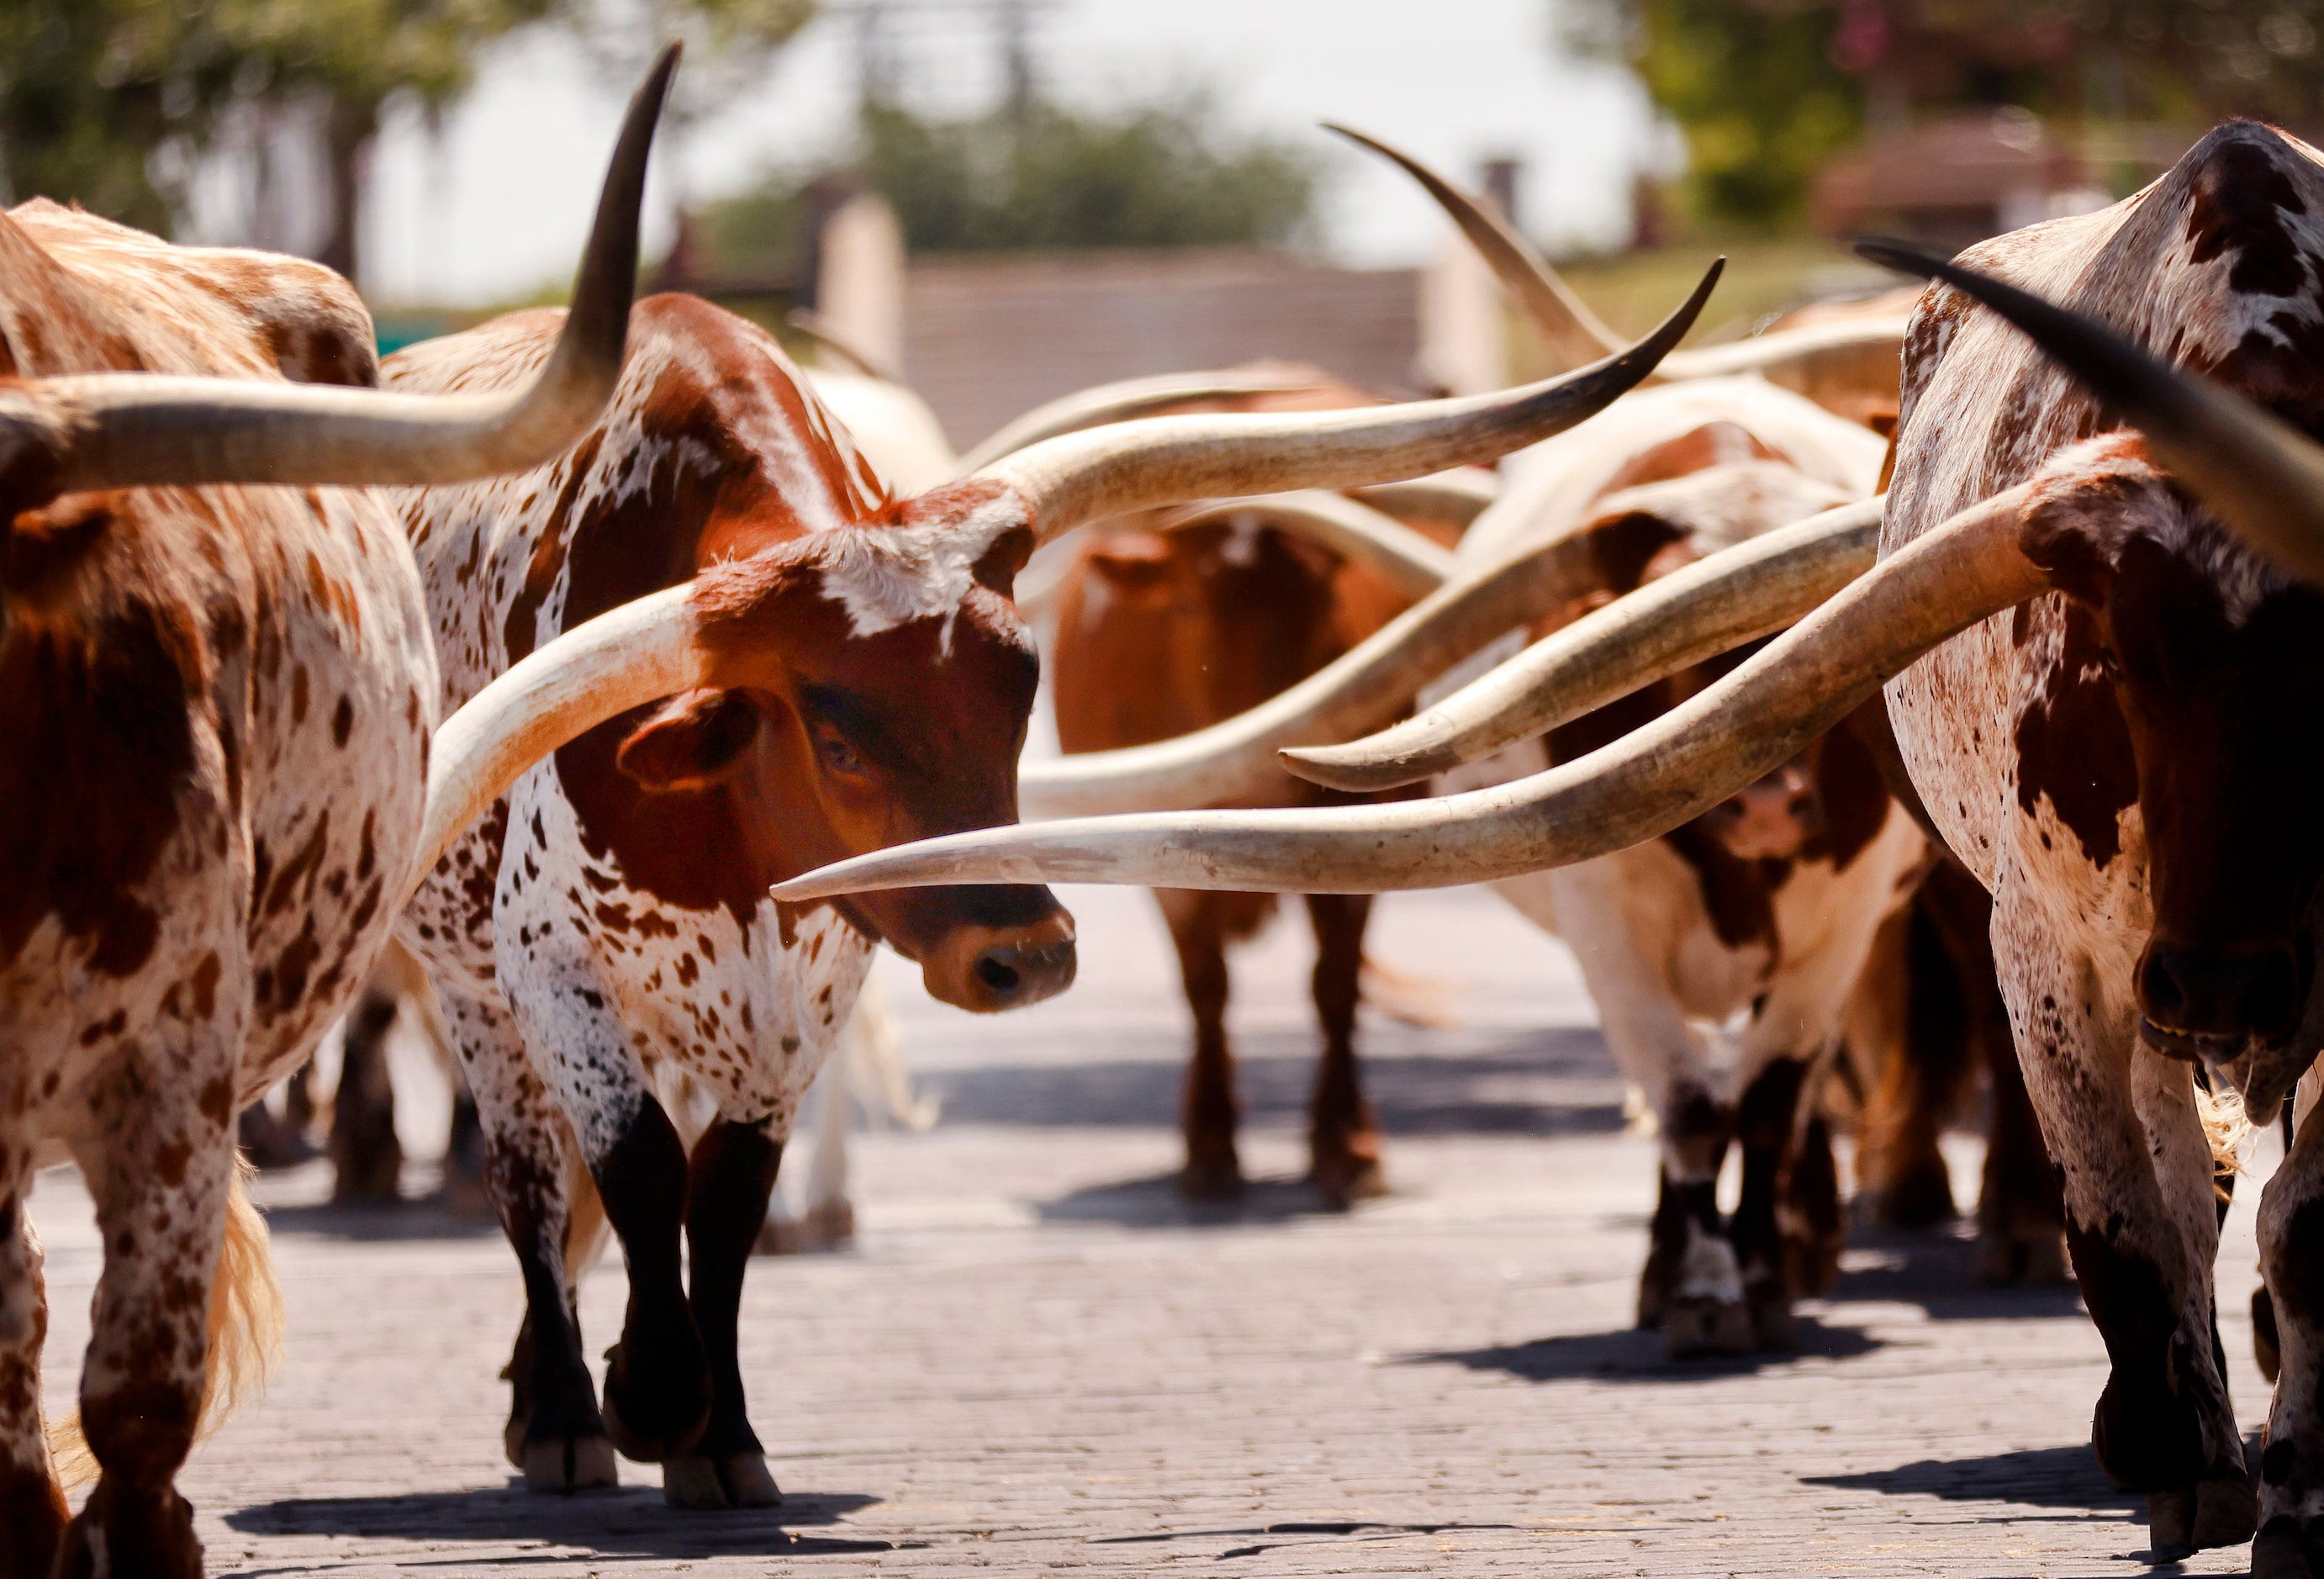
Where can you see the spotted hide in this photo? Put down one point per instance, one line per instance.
(216, 704)
(612, 913)
(1722, 956)
(2129, 765)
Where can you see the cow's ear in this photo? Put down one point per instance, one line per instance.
(996, 568)
(2086, 500)
(694, 741)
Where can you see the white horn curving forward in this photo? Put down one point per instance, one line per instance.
(1456, 497)
(1709, 607)
(623, 658)
(2257, 472)
(1642, 785)
(117, 431)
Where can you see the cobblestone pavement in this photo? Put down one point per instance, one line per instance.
(1037, 1359)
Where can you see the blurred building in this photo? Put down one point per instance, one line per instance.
(1955, 181)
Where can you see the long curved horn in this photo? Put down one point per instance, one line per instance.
(1458, 496)
(1570, 326)
(1575, 332)
(1642, 785)
(2257, 472)
(115, 431)
(1362, 689)
(1063, 483)
(599, 670)
(1695, 613)
(1414, 563)
(1130, 398)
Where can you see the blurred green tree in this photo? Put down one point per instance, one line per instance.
(95, 92)
(1037, 175)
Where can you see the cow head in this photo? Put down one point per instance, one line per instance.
(2189, 677)
(869, 685)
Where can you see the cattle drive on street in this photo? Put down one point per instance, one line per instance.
(1912, 709)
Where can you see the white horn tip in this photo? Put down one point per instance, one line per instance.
(1347, 767)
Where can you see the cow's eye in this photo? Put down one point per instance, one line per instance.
(838, 755)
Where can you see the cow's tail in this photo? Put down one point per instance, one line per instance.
(2227, 1127)
(247, 1321)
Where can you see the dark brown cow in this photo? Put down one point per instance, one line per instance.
(1160, 633)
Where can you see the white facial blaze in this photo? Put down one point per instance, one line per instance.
(890, 576)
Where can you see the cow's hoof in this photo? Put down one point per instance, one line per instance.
(739, 1479)
(2281, 1551)
(1346, 1177)
(567, 1464)
(130, 1534)
(1773, 1325)
(1694, 1326)
(1212, 1181)
(2034, 1258)
(2222, 1512)
(1811, 1264)
(1919, 1196)
(655, 1414)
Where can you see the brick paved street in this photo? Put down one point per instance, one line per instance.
(1036, 1358)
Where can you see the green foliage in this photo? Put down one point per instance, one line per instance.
(1160, 174)
(1753, 85)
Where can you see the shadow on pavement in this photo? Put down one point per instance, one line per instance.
(381, 1222)
(1559, 1081)
(1637, 1355)
(1156, 1202)
(2041, 1477)
(1937, 1270)
(631, 1521)
(1335, 1531)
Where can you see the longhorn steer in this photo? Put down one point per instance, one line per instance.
(215, 702)
(855, 673)
(1163, 632)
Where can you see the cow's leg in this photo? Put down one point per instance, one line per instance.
(1762, 1129)
(158, 1153)
(657, 1384)
(33, 1508)
(2140, 1222)
(731, 1176)
(1342, 1132)
(2290, 1543)
(1214, 1171)
(1899, 1025)
(366, 1158)
(1692, 1285)
(554, 1434)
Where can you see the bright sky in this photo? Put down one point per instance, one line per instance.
(499, 208)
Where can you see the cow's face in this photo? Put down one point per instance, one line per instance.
(852, 713)
(2191, 679)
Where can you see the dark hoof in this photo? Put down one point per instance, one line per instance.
(1694, 1326)
(1810, 1266)
(1773, 1325)
(130, 1534)
(567, 1463)
(1211, 1181)
(1920, 1197)
(655, 1416)
(2282, 1552)
(2223, 1512)
(1348, 1177)
(2032, 1260)
(739, 1479)
(2265, 1346)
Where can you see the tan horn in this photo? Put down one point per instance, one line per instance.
(1063, 483)
(1709, 607)
(2261, 477)
(1362, 689)
(1413, 563)
(1642, 785)
(115, 431)
(1132, 398)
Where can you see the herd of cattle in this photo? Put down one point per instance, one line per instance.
(1855, 720)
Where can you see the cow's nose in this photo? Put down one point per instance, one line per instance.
(986, 969)
(2224, 991)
